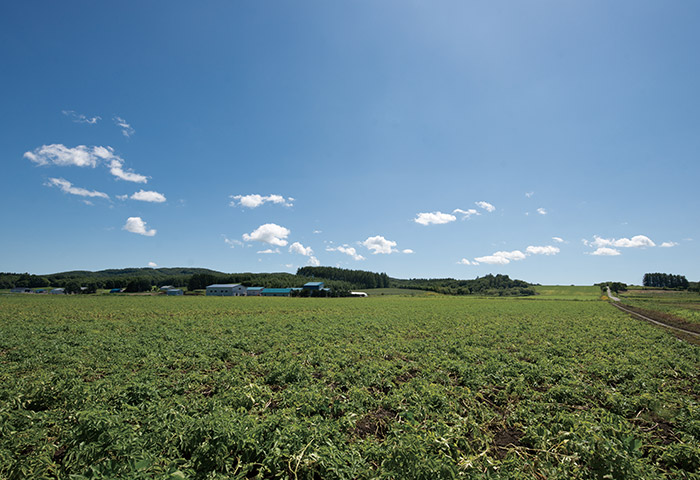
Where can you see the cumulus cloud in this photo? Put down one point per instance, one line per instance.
(638, 241)
(67, 187)
(137, 225)
(268, 233)
(80, 118)
(58, 154)
(668, 244)
(486, 206)
(127, 130)
(558, 239)
(255, 200)
(297, 247)
(501, 258)
(347, 250)
(465, 213)
(379, 244)
(313, 261)
(434, 218)
(542, 211)
(407, 250)
(464, 261)
(148, 196)
(82, 156)
(152, 264)
(606, 251)
(547, 250)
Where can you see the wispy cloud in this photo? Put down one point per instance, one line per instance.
(544, 250)
(606, 251)
(379, 244)
(466, 213)
(502, 258)
(127, 130)
(137, 225)
(407, 251)
(542, 211)
(465, 261)
(82, 156)
(668, 244)
(268, 233)
(148, 196)
(67, 187)
(255, 200)
(486, 206)
(269, 251)
(558, 239)
(434, 218)
(233, 243)
(80, 118)
(347, 250)
(529, 194)
(638, 241)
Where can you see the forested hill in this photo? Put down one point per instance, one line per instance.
(198, 278)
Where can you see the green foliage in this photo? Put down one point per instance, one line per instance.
(665, 280)
(385, 387)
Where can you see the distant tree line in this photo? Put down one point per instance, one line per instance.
(341, 281)
(615, 287)
(665, 280)
(356, 278)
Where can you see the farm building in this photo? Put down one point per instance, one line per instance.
(175, 292)
(313, 286)
(58, 291)
(358, 294)
(165, 288)
(254, 291)
(276, 292)
(21, 290)
(226, 290)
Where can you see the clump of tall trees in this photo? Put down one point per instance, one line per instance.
(665, 280)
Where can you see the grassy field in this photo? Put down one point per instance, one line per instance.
(568, 292)
(683, 305)
(406, 292)
(384, 387)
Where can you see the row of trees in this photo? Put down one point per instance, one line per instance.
(615, 287)
(356, 278)
(495, 285)
(665, 280)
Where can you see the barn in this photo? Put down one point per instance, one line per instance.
(175, 292)
(254, 291)
(276, 292)
(226, 290)
(21, 290)
(313, 286)
(58, 291)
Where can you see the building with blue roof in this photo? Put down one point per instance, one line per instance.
(276, 292)
(313, 286)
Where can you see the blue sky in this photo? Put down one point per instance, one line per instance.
(553, 141)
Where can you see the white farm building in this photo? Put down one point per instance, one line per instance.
(226, 290)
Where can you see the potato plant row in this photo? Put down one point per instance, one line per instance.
(385, 387)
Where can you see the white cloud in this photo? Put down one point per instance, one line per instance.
(232, 243)
(82, 156)
(434, 218)
(297, 247)
(501, 258)
(316, 232)
(148, 196)
(464, 261)
(486, 206)
(80, 118)
(58, 154)
(558, 239)
(347, 250)
(67, 187)
(542, 211)
(152, 264)
(313, 261)
(127, 130)
(465, 213)
(637, 241)
(668, 244)
(605, 251)
(255, 200)
(529, 194)
(407, 250)
(269, 251)
(548, 250)
(268, 233)
(379, 244)
(137, 225)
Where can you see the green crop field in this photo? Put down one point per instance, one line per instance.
(385, 387)
(681, 304)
